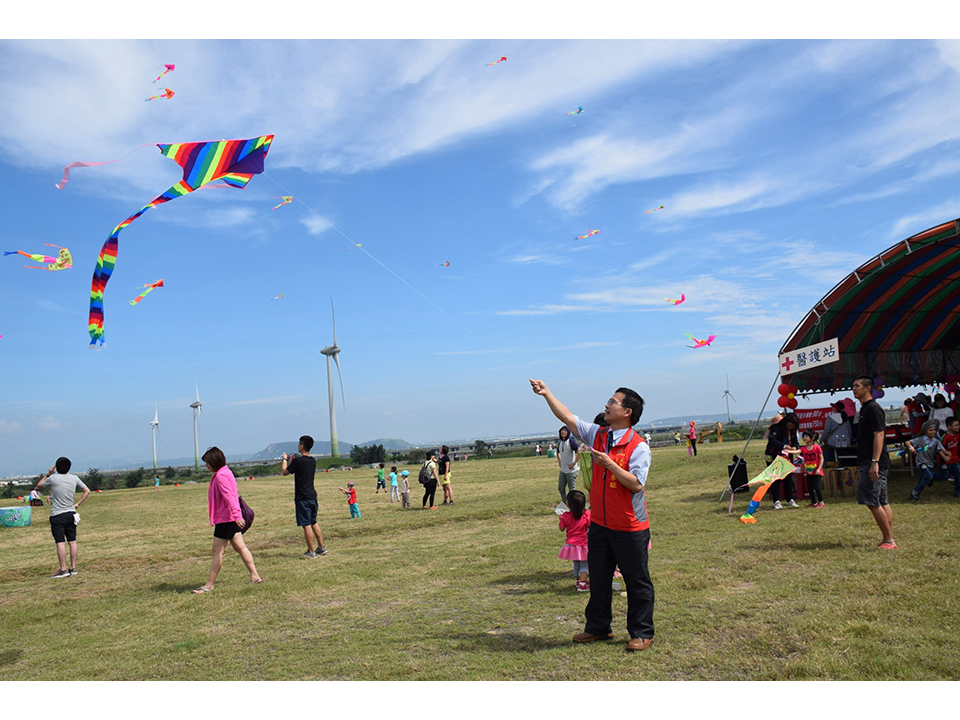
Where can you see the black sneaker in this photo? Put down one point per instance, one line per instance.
(60, 574)
(310, 554)
(322, 551)
(72, 571)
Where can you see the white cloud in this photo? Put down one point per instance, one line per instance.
(9, 428)
(315, 224)
(912, 224)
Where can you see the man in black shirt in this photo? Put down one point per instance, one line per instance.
(304, 469)
(873, 461)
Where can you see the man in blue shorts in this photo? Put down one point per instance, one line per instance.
(873, 462)
(63, 513)
(304, 470)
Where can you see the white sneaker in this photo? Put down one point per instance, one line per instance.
(792, 504)
(777, 505)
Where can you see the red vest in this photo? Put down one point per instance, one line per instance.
(613, 505)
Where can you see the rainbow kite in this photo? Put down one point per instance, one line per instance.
(503, 59)
(233, 161)
(575, 112)
(277, 297)
(167, 93)
(592, 232)
(700, 343)
(444, 264)
(287, 199)
(659, 207)
(63, 261)
(149, 287)
(677, 302)
(169, 68)
(777, 470)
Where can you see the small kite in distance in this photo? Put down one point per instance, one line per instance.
(677, 302)
(575, 112)
(659, 207)
(700, 343)
(287, 199)
(592, 232)
(496, 61)
(444, 264)
(277, 297)
(169, 68)
(167, 93)
(63, 261)
(149, 287)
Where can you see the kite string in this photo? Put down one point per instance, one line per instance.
(357, 246)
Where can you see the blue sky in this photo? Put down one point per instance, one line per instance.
(782, 165)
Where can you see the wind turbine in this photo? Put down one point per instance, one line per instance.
(333, 351)
(726, 396)
(196, 443)
(155, 428)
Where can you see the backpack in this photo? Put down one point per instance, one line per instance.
(425, 475)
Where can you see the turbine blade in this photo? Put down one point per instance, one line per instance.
(334, 314)
(336, 359)
(734, 399)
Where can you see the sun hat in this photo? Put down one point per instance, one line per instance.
(928, 424)
(405, 472)
(922, 398)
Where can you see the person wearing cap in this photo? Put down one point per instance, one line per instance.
(351, 493)
(917, 410)
(929, 450)
(940, 410)
(405, 489)
(837, 427)
(873, 461)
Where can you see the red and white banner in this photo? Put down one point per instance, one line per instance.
(812, 418)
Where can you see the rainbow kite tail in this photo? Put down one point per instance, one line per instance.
(748, 519)
(11, 252)
(105, 264)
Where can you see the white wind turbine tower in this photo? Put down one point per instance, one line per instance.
(155, 428)
(333, 351)
(196, 443)
(726, 396)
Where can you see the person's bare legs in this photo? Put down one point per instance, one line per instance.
(244, 553)
(316, 531)
(73, 554)
(62, 555)
(219, 545)
(884, 517)
(308, 536)
(448, 493)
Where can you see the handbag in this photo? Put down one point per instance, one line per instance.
(247, 513)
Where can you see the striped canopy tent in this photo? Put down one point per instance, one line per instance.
(896, 317)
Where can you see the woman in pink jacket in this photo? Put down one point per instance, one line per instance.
(223, 501)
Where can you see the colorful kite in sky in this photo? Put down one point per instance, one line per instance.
(592, 232)
(62, 261)
(677, 302)
(444, 264)
(287, 199)
(700, 343)
(167, 93)
(169, 68)
(659, 207)
(575, 112)
(496, 61)
(233, 161)
(277, 297)
(149, 287)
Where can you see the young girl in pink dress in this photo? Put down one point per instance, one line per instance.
(576, 521)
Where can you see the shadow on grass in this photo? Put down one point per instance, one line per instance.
(10, 657)
(173, 587)
(536, 583)
(499, 641)
(839, 546)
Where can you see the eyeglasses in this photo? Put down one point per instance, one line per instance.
(612, 401)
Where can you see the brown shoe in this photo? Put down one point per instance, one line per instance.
(585, 637)
(639, 644)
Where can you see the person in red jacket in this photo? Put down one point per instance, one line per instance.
(619, 533)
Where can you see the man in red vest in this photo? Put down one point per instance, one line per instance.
(619, 532)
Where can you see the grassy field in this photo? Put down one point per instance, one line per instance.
(475, 591)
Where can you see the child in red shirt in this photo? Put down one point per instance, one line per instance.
(812, 455)
(351, 493)
(951, 442)
(576, 522)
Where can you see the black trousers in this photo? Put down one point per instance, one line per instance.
(429, 490)
(607, 549)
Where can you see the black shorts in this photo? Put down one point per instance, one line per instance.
(225, 531)
(306, 512)
(63, 528)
